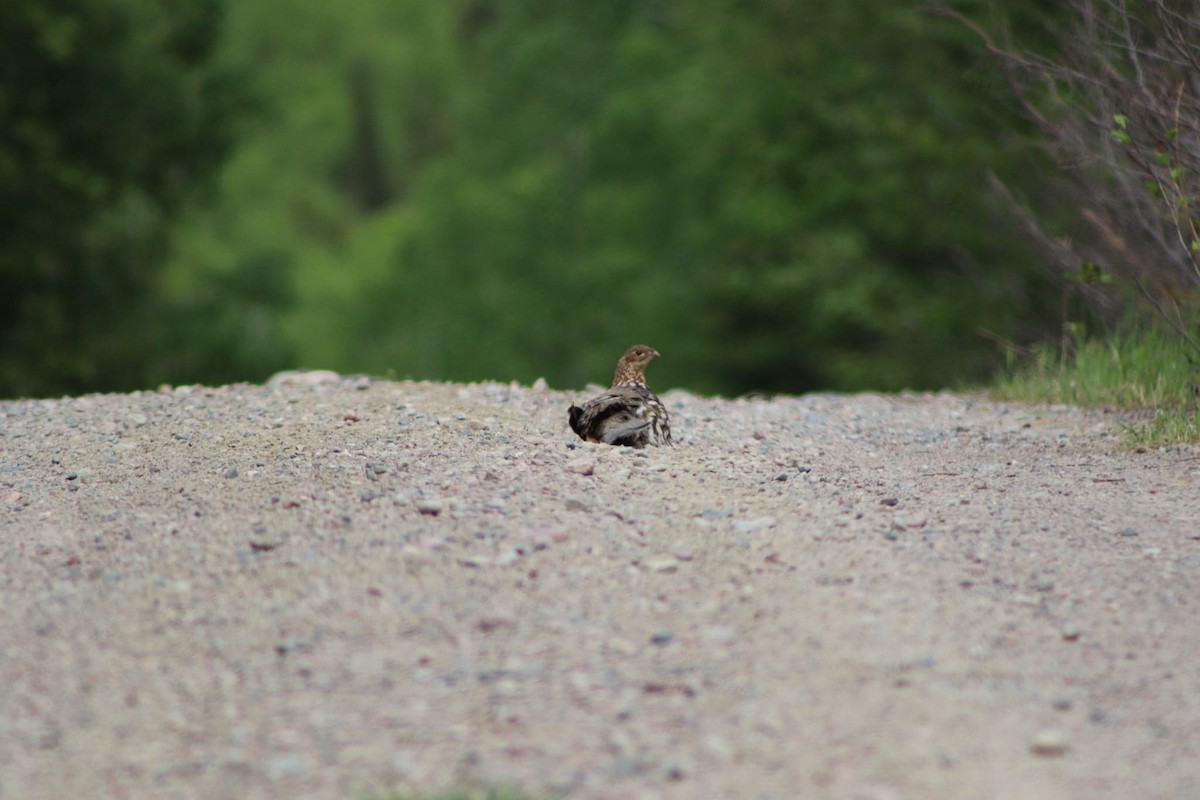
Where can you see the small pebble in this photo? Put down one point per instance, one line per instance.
(496, 621)
(1043, 583)
(717, 746)
(286, 766)
(1049, 743)
(583, 465)
(752, 525)
(429, 506)
(293, 378)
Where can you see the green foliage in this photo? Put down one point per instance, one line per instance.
(112, 115)
(1138, 369)
(777, 196)
(1116, 102)
(354, 95)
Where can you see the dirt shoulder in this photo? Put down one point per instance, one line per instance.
(330, 587)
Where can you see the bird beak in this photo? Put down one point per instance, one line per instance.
(654, 353)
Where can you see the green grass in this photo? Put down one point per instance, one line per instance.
(1142, 370)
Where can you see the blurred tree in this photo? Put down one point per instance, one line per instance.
(777, 195)
(112, 116)
(780, 196)
(357, 98)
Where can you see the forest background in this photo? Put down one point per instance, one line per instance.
(779, 196)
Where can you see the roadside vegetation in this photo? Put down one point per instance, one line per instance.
(778, 197)
(1116, 105)
(1146, 372)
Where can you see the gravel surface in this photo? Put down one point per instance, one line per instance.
(328, 587)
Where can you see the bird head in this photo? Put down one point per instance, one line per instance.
(631, 369)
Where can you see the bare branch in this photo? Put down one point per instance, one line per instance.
(1118, 107)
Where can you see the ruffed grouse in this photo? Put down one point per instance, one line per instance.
(627, 414)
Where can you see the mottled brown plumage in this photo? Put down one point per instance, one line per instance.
(627, 414)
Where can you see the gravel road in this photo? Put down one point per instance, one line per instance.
(332, 587)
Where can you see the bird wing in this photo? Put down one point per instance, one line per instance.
(617, 416)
